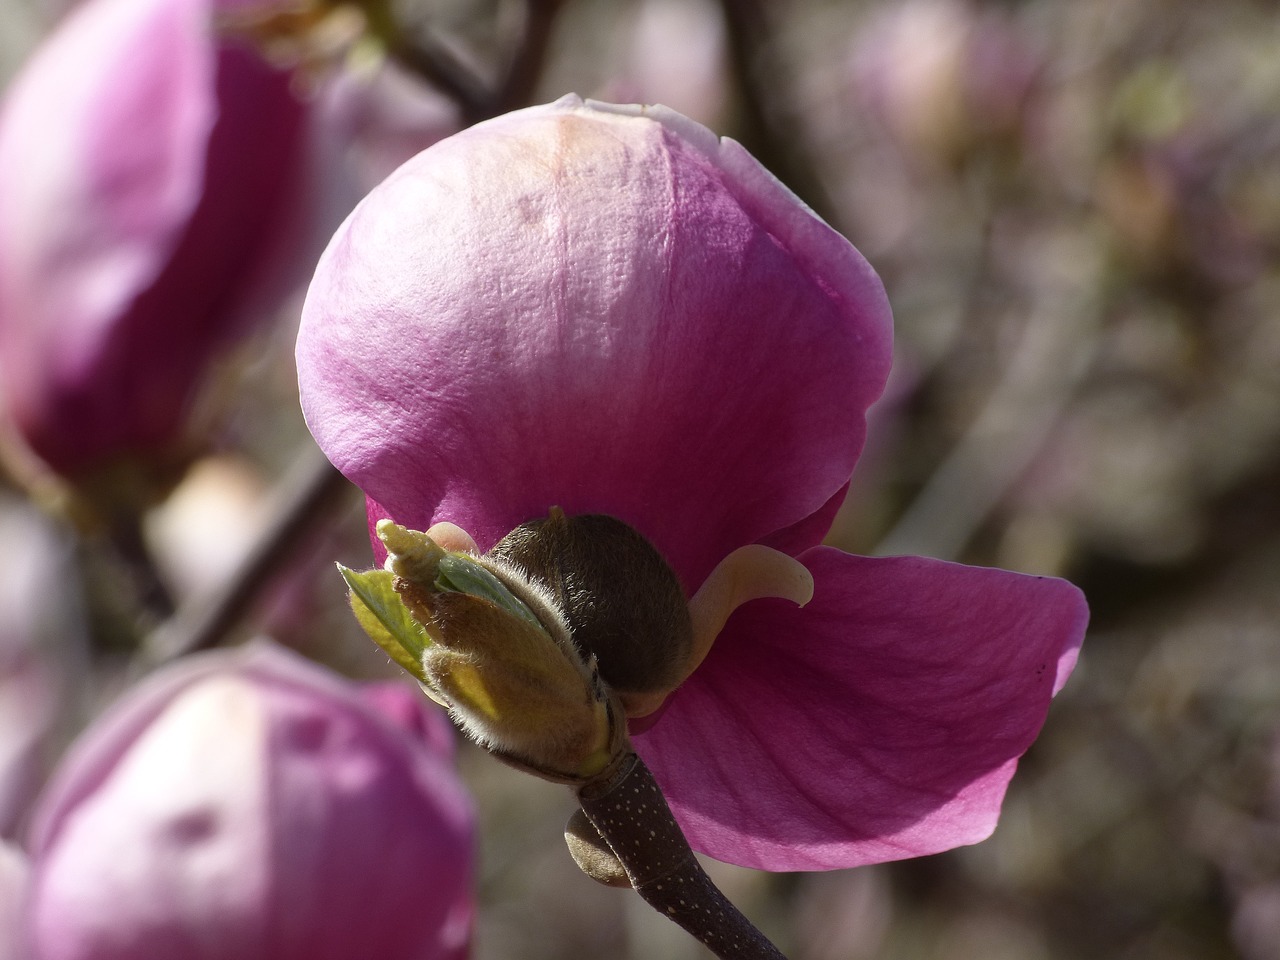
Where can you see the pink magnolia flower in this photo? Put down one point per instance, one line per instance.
(145, 159)
(611, 310)
(253, 805)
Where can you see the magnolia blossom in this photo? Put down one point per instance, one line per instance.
(145, 157)
(610, 310)
(252, 805)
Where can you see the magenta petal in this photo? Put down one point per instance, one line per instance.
(809, 532)
(882, 721)
(606, 309)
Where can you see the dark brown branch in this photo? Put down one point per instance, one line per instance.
(631, 814)
(771, 130)
(443, 69)
(530, 54)
(152, 598)
(311, 489)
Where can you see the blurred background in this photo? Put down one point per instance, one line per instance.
(1075, 207)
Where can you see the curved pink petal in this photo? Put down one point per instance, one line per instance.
(142, 161)
(602, 308)
(808, 532)
(399, 845)
(882, 721)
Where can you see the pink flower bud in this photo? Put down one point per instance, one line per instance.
(145, 157)
(251, 805)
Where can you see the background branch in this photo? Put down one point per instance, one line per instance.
(310, 491)
(771, 131)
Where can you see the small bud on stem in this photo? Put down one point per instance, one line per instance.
(536, 647)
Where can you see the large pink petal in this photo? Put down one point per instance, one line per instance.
(882, 721)
(606, 309)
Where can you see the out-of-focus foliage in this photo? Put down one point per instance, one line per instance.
(1075, 205)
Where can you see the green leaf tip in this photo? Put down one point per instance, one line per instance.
(385, 618)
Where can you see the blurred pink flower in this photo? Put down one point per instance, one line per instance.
(253, 805)
(610, 310)
(145, 159)
(674, 52)
(938, 74)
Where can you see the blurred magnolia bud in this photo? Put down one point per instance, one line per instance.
(147, 159)
(675, 54)
(209, 522)
(204, 534)
(250, 804)
(939, 74)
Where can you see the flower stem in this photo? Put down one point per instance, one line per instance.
(631, 814)
(443, 69)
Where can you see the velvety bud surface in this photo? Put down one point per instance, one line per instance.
(253, 805)
(610, 310)
(144, 159)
